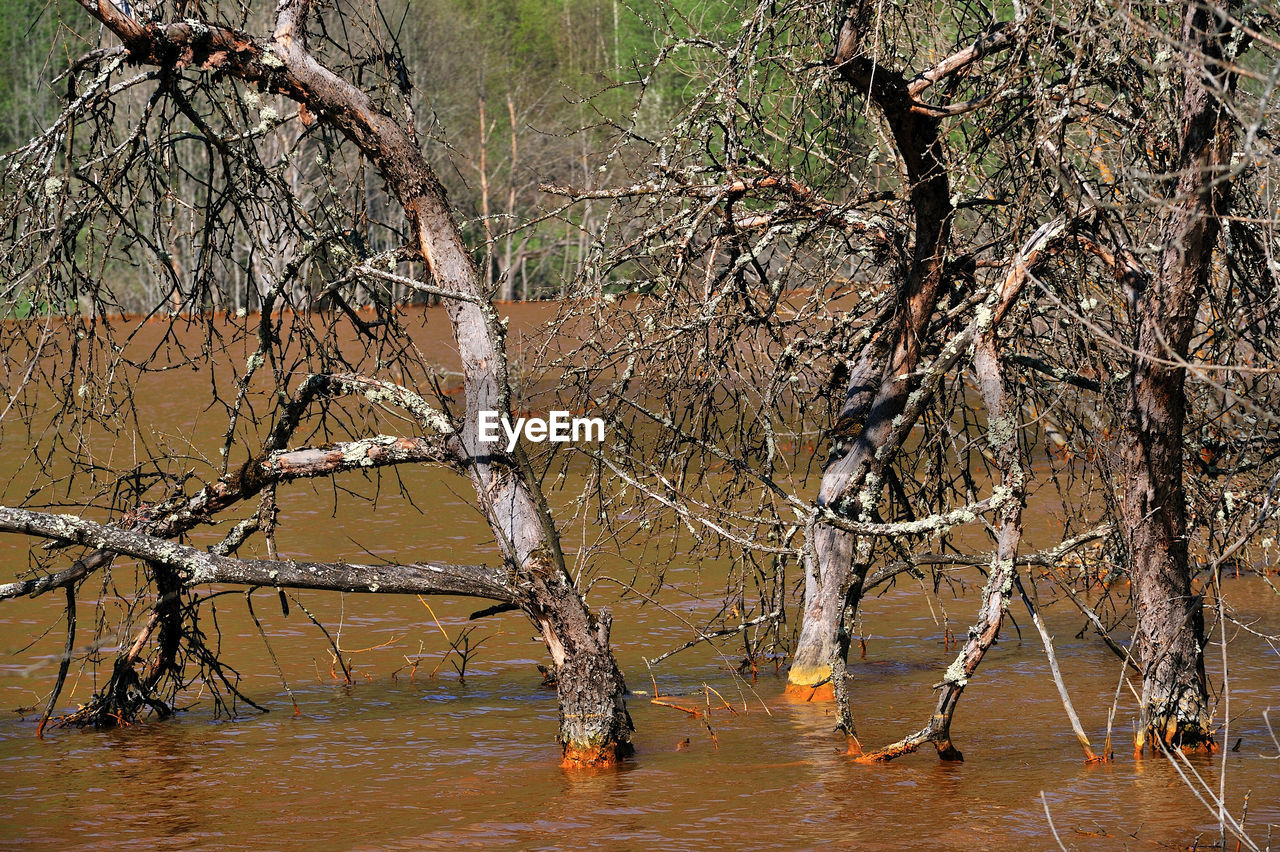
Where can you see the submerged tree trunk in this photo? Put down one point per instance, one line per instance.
(1002, 438)
(836, 559)
(1170, 620)
(595, 727)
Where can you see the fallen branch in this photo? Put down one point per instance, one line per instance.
(171, 520)
(196, 567)
(692, 711)
(1090, 756)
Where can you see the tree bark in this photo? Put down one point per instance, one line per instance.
(595, 727)
(836, 561)
(193, 566)
(1002, 438)
(1170, 621)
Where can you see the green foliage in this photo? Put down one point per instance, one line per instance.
(28, 60)
(25, 307)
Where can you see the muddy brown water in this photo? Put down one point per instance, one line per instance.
(404, 759)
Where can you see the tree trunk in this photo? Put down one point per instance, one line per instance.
(485, 218)
(837, 561)
(1170, 622)
(508, 262)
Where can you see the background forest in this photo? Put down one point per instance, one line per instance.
(510, 95)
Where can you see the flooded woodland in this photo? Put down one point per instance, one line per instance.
(414, 749)
(923, 480)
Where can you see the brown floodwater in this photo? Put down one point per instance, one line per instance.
(413, 758)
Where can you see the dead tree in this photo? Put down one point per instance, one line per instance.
(1170, 634)
(594, 725)
(738, 241)
(790, 291)
(879, 383)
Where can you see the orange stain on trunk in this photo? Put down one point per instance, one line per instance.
(590, 757)
(804, 692)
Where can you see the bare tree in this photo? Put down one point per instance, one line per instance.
(851, 299)
(881, 380)
(191, 62)
(827, 249)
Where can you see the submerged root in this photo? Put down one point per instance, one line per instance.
(946, 751)
(889, 752)
(936, 733)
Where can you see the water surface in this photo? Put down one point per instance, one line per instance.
(404, 758)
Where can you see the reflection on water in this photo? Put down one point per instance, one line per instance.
(404, 760)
